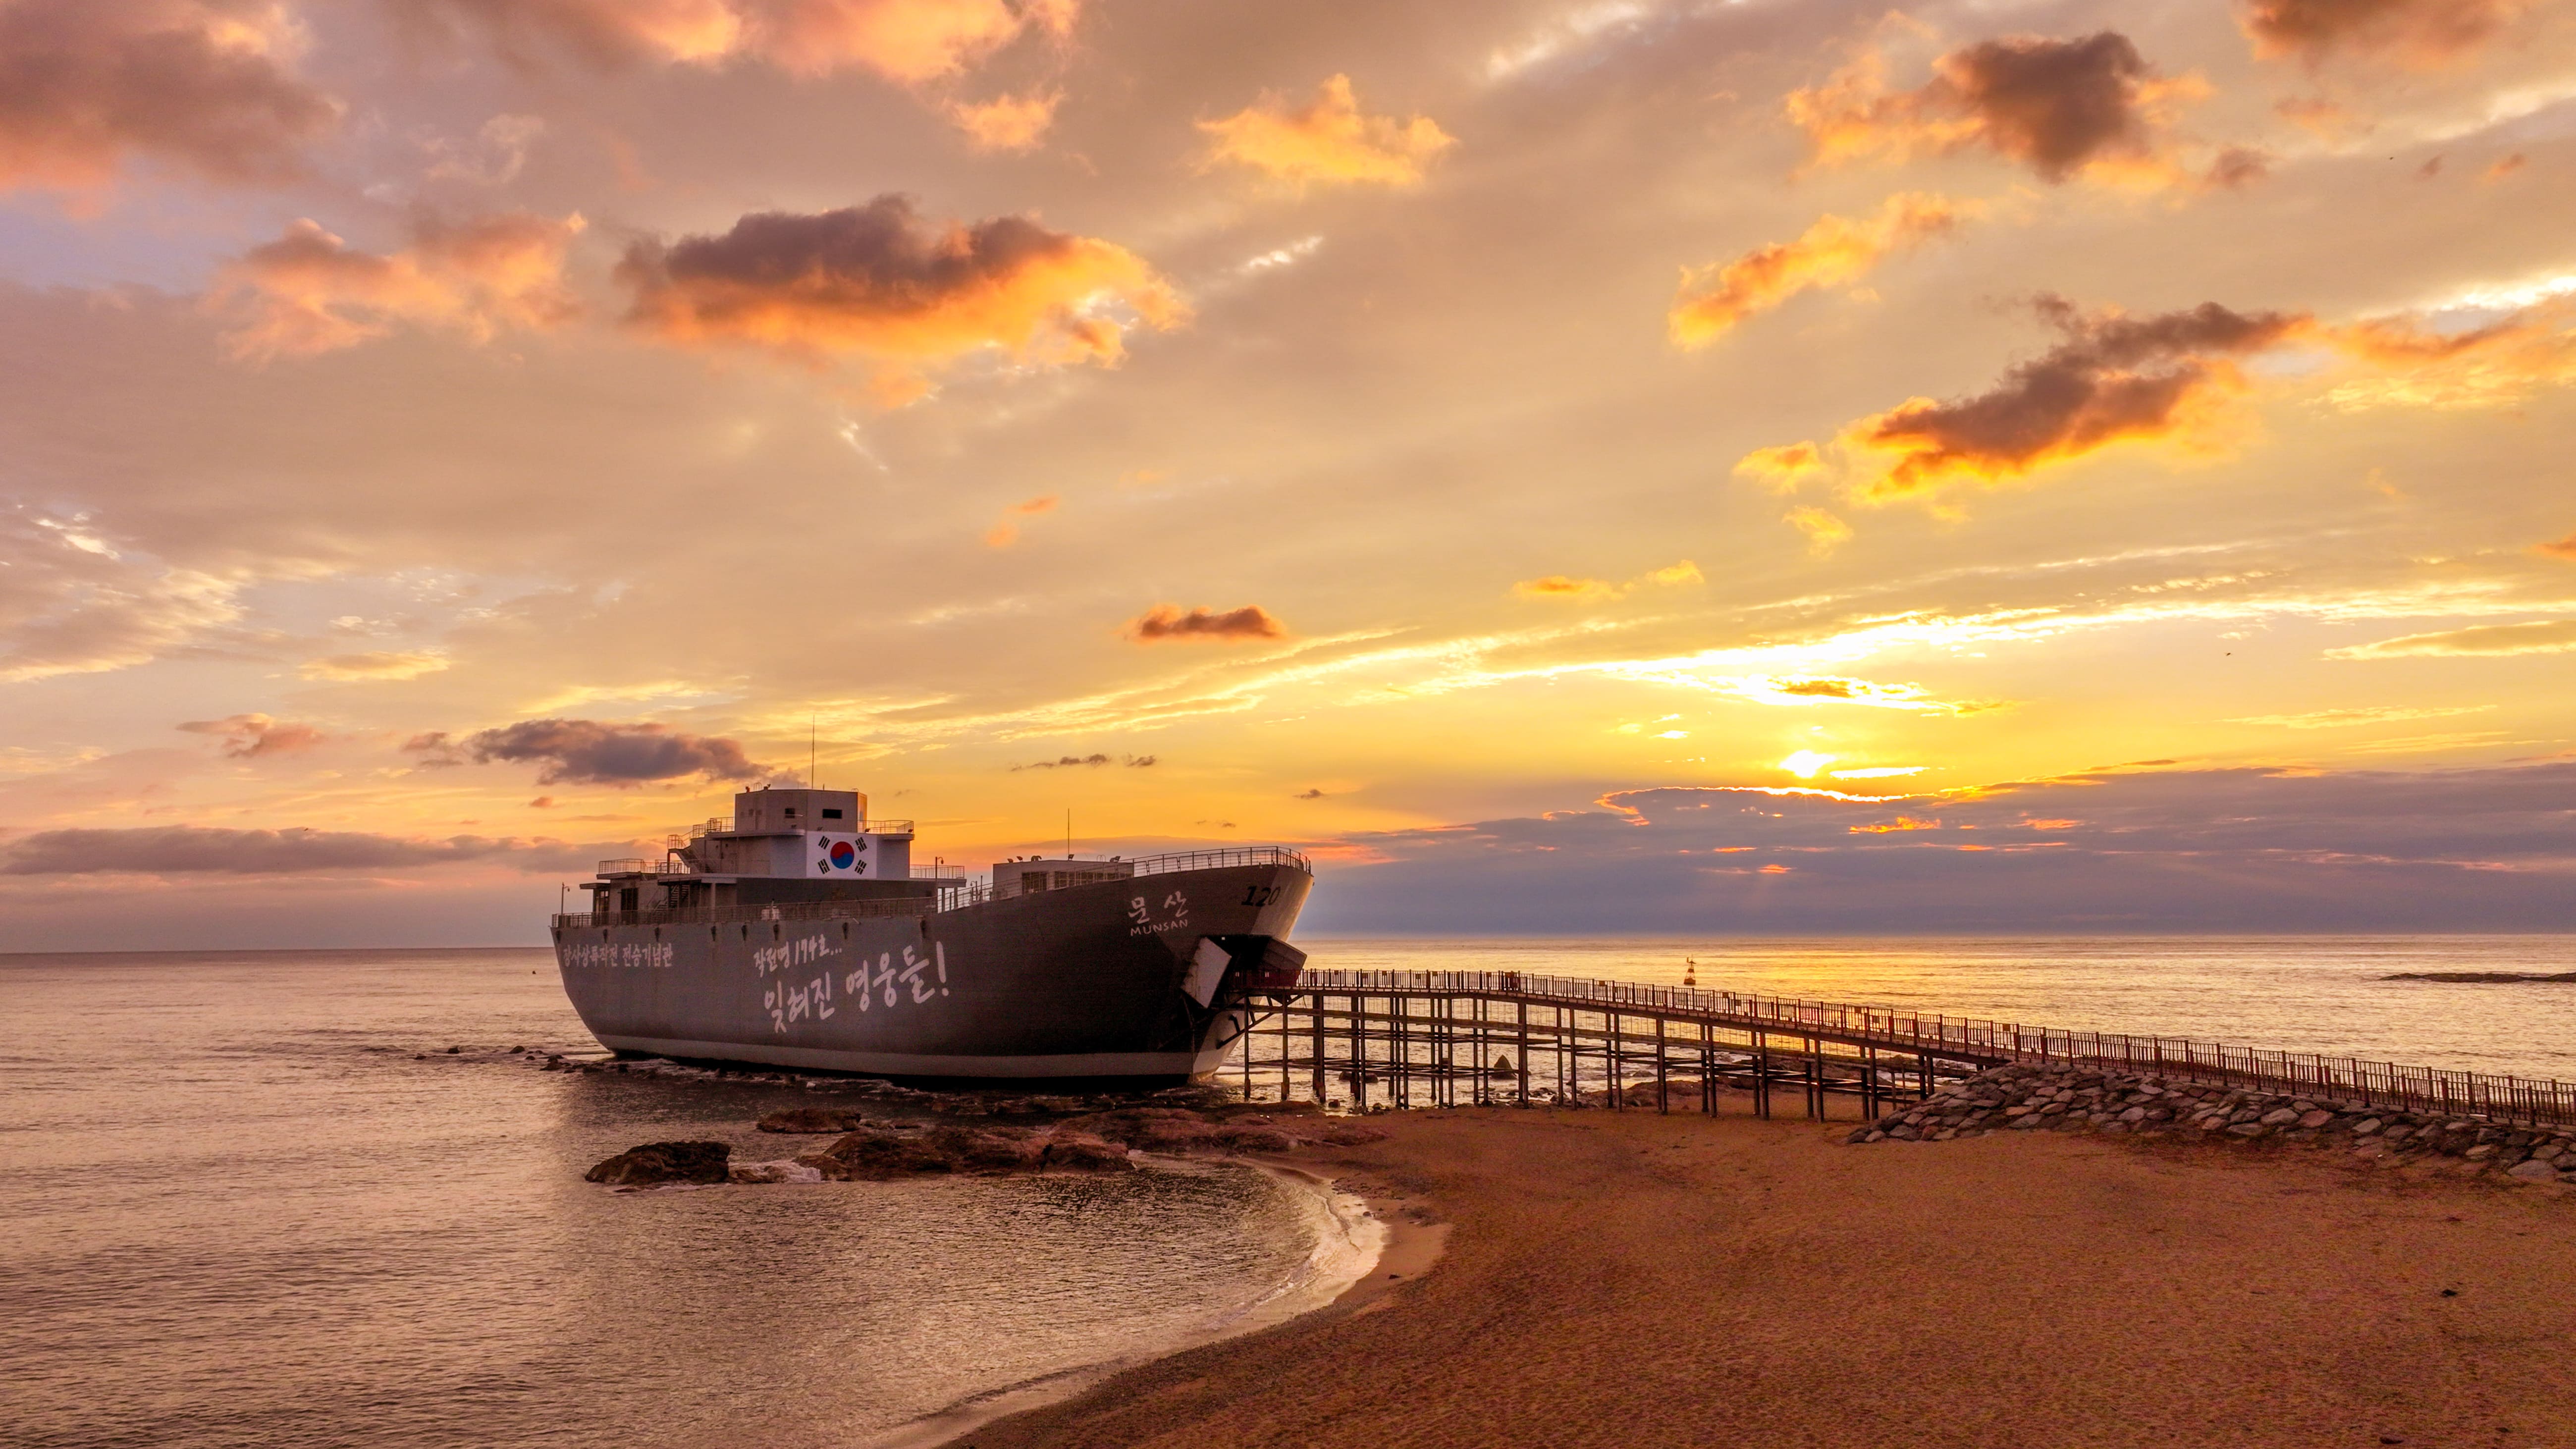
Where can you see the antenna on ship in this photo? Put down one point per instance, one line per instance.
(1068, 832)
(813, 751)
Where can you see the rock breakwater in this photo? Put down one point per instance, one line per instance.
(1094, 1142)
(1098, 1142)
(2026, 1099)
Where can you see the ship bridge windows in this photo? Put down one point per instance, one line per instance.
(829, 813)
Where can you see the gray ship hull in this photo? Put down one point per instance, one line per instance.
(1088, 981)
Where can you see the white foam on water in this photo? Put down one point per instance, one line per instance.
(1348, 1240)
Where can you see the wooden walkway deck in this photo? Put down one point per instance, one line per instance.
(1442, 1038)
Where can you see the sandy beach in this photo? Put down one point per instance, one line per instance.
(1625, 1278)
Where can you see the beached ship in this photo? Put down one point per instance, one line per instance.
(801, 934)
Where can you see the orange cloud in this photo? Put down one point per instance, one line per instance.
(2547, 636)
(1781, 469)
(1824, 531)
(905, 40)
(1328, 140)
(1566, 588)
(2420, 33)
(2091, 107)
(205, 85)
(2503, 167)
(909, 41)
(1901, 822)
(2490, 366)
(2116, 378)
(2113, 378)
(1007, 532)
(878, 281)
(309, 292)
(377, 664)
(2563, 548)
(1561, 586)
(249, 736)
(602, 32)
(1166, 622)
(2320, 117)
(1007, 123)
(1713, 299)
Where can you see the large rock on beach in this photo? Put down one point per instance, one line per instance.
(656, 1163)
(873, 1154)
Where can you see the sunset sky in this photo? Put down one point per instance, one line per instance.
(1693, 467)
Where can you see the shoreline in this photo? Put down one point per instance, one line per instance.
(1384, 1243)
(1638, 1279)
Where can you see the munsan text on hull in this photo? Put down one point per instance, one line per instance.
(802, 935)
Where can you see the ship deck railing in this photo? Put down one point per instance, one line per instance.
(635, 865)
(921, 905)
(953, 898)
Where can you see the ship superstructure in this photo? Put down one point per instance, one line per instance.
(801, 934)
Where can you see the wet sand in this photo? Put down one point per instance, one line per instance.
(1634, 1280)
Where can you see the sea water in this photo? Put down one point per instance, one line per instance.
(249, 1200)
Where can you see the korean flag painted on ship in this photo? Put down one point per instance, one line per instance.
(840, 854)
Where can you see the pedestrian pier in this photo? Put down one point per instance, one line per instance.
(1399, 1039)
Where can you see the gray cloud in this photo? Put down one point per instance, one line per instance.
(592, 752)
(1167, 621)
(2415, 32)
(197, 850)
(885, 280)
(2112, 377)
(2060, 107)
(2166, 850)
(1093, 761)
(202, 83)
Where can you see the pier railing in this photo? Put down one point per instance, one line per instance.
(1980, 1041)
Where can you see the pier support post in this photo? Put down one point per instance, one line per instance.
(1663, 1077)
(1318, 1001)
(1610, 1060)
(1762, 1075)
(1359, 1053)
(1707, 1074)
(1522, 1061)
